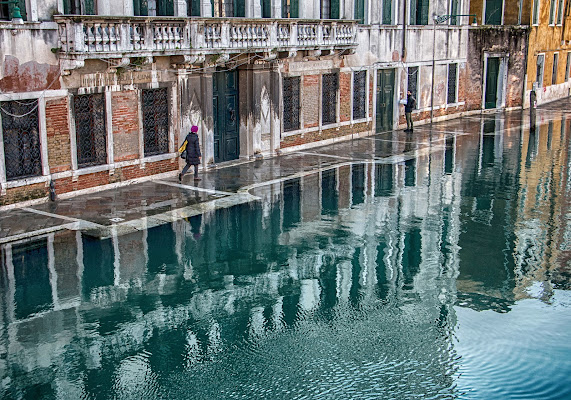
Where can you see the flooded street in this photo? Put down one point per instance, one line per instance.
(431, 265)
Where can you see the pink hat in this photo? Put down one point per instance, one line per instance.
(194, 128)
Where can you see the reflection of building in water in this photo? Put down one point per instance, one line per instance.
(350, 236)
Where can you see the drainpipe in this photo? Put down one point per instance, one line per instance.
(433, 67)
(403, 53)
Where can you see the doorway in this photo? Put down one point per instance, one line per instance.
(494, 85)
(385, 102)
(225, 115)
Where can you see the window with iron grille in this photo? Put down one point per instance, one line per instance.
(155, 121)
(90, 129)
(555, 68)
(21, 137)
(539, 70)
(329, 98)
(452, 73)
(359, 94)
(413, 82)
(291, 103)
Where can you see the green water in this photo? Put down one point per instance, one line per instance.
(442, 274)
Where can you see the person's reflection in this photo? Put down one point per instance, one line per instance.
(195, 224)
(408, 142)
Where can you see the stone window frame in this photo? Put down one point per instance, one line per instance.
(456, 81)
(365, 118)
(43, 136)
(540, 83)
(535, 11)
(502, 12)
(172, 101)
(109, 137)
(554, 68)
(568, 66)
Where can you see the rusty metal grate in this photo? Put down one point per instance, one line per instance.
(452, 72)
(291, 103)
(90, 129)
(329, 98)
(21, 137)
(359, 94)
(155, 121)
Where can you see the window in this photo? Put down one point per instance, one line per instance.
(454, 11)
(568, 66)
(291, 103)
(560, 12)
(552, 12)
(535, 16)
(412, 83)
(151, 8)
(387, 12)
(290, 8)
(193, 8)
(330, 9)
(360, 11)
(266, 9)
(555, 68)
(79, 7)
(7, 9)
(329, 99)
(419, 12)
(155, 121)
(228, 8)
(359, 94)
(452, 75)
(21, 137)
(90, 130)
(493, 14)
(539, 70)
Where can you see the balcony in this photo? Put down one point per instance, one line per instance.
(91, 37)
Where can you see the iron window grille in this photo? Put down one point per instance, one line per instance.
(329, 98)
(291, 103)
(155, 121)
(21, 137)
(412, 83)
(452, 73)
(359, 95)
(90, 130)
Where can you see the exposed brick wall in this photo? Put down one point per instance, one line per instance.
(125, 125)
(310, 87)
(345, 96)
(24, 193)
(371, 94)
(57, 127)
(314, 136)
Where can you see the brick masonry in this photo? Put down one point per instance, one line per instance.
(57, 128)
(315, 136)
(311, 101)
(125, 107)
(345, 96)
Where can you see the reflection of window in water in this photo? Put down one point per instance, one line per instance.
(383, 180)
(358, 183)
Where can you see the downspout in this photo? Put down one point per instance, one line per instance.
(403, 53)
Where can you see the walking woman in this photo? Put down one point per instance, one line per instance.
(191, 153)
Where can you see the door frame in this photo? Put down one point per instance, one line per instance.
(502, 79)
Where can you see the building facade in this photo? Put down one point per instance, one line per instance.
(99, 93)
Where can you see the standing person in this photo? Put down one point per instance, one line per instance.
(192, 156)
(408, 107)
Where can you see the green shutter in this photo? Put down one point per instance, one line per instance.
(413, 12)
(266, 9)
(89, 7)
(141, 7)
(360, 11)
(387, 12)
(423, 12)
(194, 8)
(294, 9)
(454, 11)
(239, 8)
(334, 13)
(165, 8)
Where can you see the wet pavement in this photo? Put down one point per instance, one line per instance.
(143, 205)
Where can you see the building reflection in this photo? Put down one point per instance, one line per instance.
(437, 227)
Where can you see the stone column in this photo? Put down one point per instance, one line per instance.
(205, 9)
(180, 8)
(206, 125)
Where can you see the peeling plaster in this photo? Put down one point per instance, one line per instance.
(28, 77)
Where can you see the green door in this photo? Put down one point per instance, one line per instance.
(225, 113)
(385, 94)
(490, 100)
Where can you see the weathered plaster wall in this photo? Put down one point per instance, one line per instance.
(26, 58)
(501, 40)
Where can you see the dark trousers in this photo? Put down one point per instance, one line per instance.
(187, 166)
(408, 116)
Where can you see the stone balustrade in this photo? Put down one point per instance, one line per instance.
(89, 37)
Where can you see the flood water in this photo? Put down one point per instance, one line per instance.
(441, 275)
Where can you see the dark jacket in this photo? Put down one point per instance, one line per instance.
(410, 104)
(192, 149)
